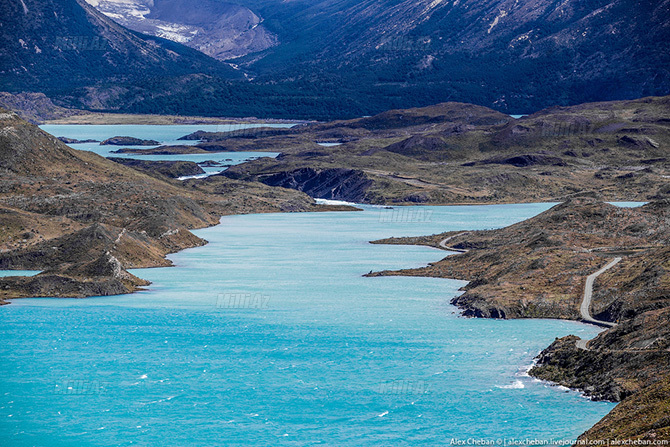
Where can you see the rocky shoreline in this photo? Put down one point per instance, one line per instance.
(83, 220)
(537, 268)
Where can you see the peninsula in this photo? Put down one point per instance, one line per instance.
(581, 260)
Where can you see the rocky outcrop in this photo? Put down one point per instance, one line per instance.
(339, 184)
(421, 147)
(523, 161)
(60, 286)
(474, 305)
(642, 416)
(606, 372)
(197, 136)
(210, 164)
(162, 150)
(103, 276)
(230, 145)
(460, 114)
(248, 132)
(135, 249)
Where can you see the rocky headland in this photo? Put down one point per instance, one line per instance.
(170, 169)
(67, 140)
(537, 269)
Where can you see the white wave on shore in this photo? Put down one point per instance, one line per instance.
(333, 202)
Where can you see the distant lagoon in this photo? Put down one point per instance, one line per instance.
(167, 135)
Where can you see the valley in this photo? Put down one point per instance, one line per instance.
(445, 154)
(524, 129)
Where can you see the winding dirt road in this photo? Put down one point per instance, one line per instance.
(586, 301)
(443, 243)
(585, 308)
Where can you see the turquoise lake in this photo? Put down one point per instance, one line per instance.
(269, 335)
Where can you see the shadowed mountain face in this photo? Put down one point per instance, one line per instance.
(219, 29)
(62, 45)
(510, 55)
(335, 59)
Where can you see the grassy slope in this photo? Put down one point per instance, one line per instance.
(452, 154)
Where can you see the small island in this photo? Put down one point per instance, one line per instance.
(128, 141)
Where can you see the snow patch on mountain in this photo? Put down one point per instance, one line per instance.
(500, 15)
(219, 29)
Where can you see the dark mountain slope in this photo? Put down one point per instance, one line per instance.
(341, 59)
(505, 54)
(54, 45)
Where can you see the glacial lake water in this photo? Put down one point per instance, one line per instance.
(5, 273)
(269, 335)
(166, 135)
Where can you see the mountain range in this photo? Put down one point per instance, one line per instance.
(334, 59)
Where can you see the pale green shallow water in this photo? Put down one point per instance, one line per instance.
(269, 335)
